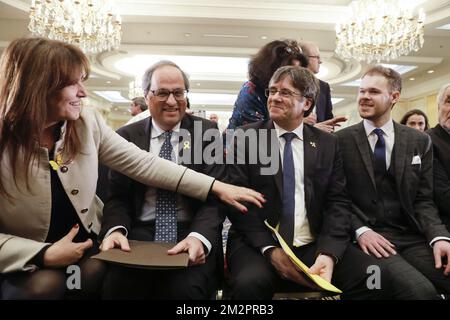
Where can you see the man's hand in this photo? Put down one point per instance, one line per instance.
(441, 249)
(335, 122)
(234, 195)
(311, 119)
(115, 240)
(323, 267)
(375, 243)
(287, 269)
(66, 252)
(194, 247)
(324, 127)
(329, 125)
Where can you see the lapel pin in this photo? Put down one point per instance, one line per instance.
(55, 164)
(313, 144)
(186, 145)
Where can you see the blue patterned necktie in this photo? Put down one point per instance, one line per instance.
(287, 216)
(166, 202)
(379, 154)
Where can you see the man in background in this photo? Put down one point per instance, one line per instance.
(322, 117)
(214, 117)
(440, 135)
(138, 110)
(137, 106)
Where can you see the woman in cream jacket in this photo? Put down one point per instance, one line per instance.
(50, 149)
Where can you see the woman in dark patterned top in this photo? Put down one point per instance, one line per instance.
(251, 103)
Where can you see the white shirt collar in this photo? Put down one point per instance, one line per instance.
(298, 131)
(157, 131)
(388, 127)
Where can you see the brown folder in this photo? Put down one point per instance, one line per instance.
(145, 255)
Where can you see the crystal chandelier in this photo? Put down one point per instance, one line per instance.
(135, 88)
(379, 30)
(94, 25)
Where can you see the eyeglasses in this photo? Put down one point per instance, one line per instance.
(316, 57)
(285, 93)
(163, 94)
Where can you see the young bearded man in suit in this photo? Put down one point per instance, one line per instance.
(389, 178)
(134, 211)
(306, 198)
(440, 135)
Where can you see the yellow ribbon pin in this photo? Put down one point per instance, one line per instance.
(55, 164)
(186, 145)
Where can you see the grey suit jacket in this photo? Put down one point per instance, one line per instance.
(414, 182)
(25, 218)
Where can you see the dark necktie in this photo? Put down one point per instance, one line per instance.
(166, 203)
(287, 216)
(379, 154)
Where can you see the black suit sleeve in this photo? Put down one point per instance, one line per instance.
(249, 226)
(329, 104)
(424, 208)
(442, 191)
(118, 210)
(209, 215)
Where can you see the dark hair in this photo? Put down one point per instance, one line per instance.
(147, 77)
(270, 57)
(303, 80)
(140, 101)
(32, 72)
(393, 77)
(413, 112)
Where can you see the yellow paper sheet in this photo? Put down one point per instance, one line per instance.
(322, 283)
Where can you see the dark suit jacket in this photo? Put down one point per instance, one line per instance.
(414, 182)
(441, 170)
(126, 196)
(324, 107)
(327, 205)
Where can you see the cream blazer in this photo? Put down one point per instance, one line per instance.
(25, 219)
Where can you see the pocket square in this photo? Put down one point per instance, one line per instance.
(416, 160)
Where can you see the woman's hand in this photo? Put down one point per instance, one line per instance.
(66, 252)
(233, 195)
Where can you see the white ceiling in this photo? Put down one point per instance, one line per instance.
(236, 28)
